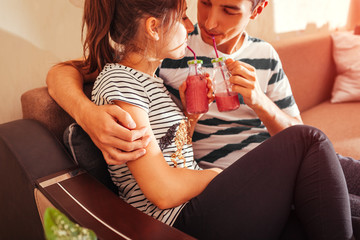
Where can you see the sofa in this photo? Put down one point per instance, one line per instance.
(308, 62)
(38, 171)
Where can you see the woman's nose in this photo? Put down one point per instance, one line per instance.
(189, 25)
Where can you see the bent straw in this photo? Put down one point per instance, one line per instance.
(194, 58)
(192, 52)
(222, 72)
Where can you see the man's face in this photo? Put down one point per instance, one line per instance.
(223, 19)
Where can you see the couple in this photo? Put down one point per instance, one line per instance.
(253, 197)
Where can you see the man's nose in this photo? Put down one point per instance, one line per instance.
(212, 19)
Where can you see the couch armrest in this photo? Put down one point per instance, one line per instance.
(28, 151)
(89, 203)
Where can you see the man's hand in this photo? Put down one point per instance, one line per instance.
(245, 82)
(112, 131)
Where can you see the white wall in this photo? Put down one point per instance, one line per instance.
(282, 19)
(35, 34)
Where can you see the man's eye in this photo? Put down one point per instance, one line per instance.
(206, 3)
(230, 11)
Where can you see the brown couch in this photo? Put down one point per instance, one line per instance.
(309, 65)
(38, 168)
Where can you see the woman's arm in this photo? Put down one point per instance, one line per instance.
(65, 85)
(163, 185)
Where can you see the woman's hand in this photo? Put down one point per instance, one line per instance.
(110, 128)
(210, 95)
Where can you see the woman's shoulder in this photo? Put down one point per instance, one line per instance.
(115, 70)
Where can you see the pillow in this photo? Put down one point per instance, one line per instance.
(87, 155)
(346, 52)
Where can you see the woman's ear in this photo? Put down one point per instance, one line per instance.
(259, 8)
(152, 28)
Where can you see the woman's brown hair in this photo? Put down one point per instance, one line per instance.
(111, 27)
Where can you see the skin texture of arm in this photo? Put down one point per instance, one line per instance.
(245, 83)
(110, 127)
(163, 185)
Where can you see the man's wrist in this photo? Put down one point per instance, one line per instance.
(81, 110)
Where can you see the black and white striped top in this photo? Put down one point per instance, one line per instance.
(118, 82)
(221, 138)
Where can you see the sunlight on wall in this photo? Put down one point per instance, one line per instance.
(295, 15)
(34, 35)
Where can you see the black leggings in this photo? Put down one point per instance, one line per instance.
(254, 197)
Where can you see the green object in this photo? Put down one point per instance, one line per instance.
(195, 61)
(58, 227)
(220, 59)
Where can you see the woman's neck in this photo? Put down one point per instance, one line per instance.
(141, 63)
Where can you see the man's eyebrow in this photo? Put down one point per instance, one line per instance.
(231, 7)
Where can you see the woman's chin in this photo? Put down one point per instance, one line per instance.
(177, 55)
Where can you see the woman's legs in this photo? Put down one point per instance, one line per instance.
(252, 198)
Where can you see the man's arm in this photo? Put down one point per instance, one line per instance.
(245, 82)
(110, 127)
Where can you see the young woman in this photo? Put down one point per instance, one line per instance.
(251, 199)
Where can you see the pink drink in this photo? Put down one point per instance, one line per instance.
(196, 94)
(227, 102)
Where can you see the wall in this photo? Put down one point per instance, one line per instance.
(284, 19)
(35, 35)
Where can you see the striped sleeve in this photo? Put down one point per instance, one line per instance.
(279, 89)
(120, 85)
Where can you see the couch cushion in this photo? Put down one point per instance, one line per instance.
(309, 65)
(347, 59)
(87, 155)
(340, 122)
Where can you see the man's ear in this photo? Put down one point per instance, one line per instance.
(152, 28)
(259, 8)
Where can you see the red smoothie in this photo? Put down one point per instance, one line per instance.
(227, 101)
(196, 94)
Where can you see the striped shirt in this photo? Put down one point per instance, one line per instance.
(221, 138)
(118, 82)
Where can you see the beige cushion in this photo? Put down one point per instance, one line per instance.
(347, 59)
(340, 122)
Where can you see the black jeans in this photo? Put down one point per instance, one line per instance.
(254, 197)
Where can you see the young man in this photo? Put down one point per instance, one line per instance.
(268, 106)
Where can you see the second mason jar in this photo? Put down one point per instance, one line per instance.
(226, 99)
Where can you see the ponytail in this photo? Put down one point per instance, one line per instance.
(111, 27)
(98, 16)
